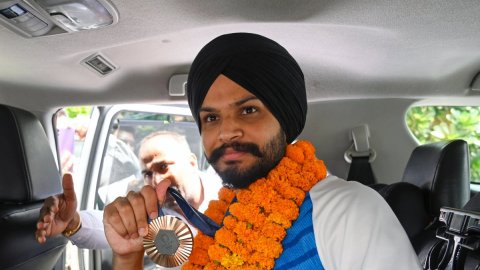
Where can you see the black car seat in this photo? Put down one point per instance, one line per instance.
(28, 175)
(436, 175)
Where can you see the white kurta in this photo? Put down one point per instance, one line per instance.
(356, 229)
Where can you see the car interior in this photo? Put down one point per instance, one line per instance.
(366, 65)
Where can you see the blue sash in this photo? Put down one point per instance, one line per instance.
(299, 248)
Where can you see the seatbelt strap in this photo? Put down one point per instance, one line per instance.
(360, 155)
(361, 171)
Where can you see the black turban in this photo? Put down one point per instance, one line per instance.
(258, 64)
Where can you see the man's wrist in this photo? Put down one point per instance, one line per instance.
(130, 261)
(74, 226)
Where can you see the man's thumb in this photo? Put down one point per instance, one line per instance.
(68, 189)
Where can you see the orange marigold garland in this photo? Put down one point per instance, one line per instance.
(252, 234)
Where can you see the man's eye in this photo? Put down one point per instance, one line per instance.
(249, 110)
(210, 118)
(163, 167)
(147, 175)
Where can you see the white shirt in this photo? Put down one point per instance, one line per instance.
(356, 229)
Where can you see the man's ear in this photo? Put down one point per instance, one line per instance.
(193, 160)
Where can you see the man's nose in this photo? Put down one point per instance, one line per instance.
(157, 178)
(230, 130)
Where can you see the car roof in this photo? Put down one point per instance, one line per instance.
(347, 50)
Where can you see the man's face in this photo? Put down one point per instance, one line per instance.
(242, 139)
(161, 160)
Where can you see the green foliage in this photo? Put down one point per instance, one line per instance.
(73, 112)
(439, 123)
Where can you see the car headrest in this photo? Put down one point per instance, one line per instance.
(27, 166)
(442, 170)
(408, 204)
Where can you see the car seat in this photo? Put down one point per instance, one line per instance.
(436, 175)
(29, 175)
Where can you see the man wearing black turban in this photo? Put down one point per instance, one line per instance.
(258, 64)
(248, 97)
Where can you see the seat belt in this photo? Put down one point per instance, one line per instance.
(360, 155)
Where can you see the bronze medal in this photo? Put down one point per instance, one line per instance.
(169, 241)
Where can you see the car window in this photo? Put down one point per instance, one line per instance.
(71, 124)
(121, 170)
(439, 123)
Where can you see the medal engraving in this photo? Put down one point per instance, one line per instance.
(169, 241)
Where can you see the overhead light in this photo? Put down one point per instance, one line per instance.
(76, 15)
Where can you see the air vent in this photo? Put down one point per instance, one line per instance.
(99, 64)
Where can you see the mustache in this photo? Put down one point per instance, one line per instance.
(240, 147)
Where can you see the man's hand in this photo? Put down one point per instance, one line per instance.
(126, 222)
(58, 212)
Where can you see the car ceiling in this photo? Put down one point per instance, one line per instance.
(347, 49)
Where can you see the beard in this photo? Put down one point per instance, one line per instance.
(267, 158)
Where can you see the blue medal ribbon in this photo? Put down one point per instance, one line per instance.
(206, 225)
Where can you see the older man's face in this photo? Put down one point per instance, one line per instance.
(242, 139)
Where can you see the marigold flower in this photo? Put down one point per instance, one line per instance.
(264, 261)
(229, 222)
(273, 230)
(247, 212)
(231, 260)
(244, 195)
(199, 256)
(279, 219)
(219, 205)
(288, 165)
(215, 214)
(217, 252)
(203, 241)
(292, 193)
(295, 153)
(245, 232)
(307, 147)
(225, 237)
(287, 208)
(226, 195)
(299, 181)
(269, 247)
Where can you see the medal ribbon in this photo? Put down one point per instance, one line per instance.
(197, 218)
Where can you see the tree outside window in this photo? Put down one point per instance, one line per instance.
(439, 123)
